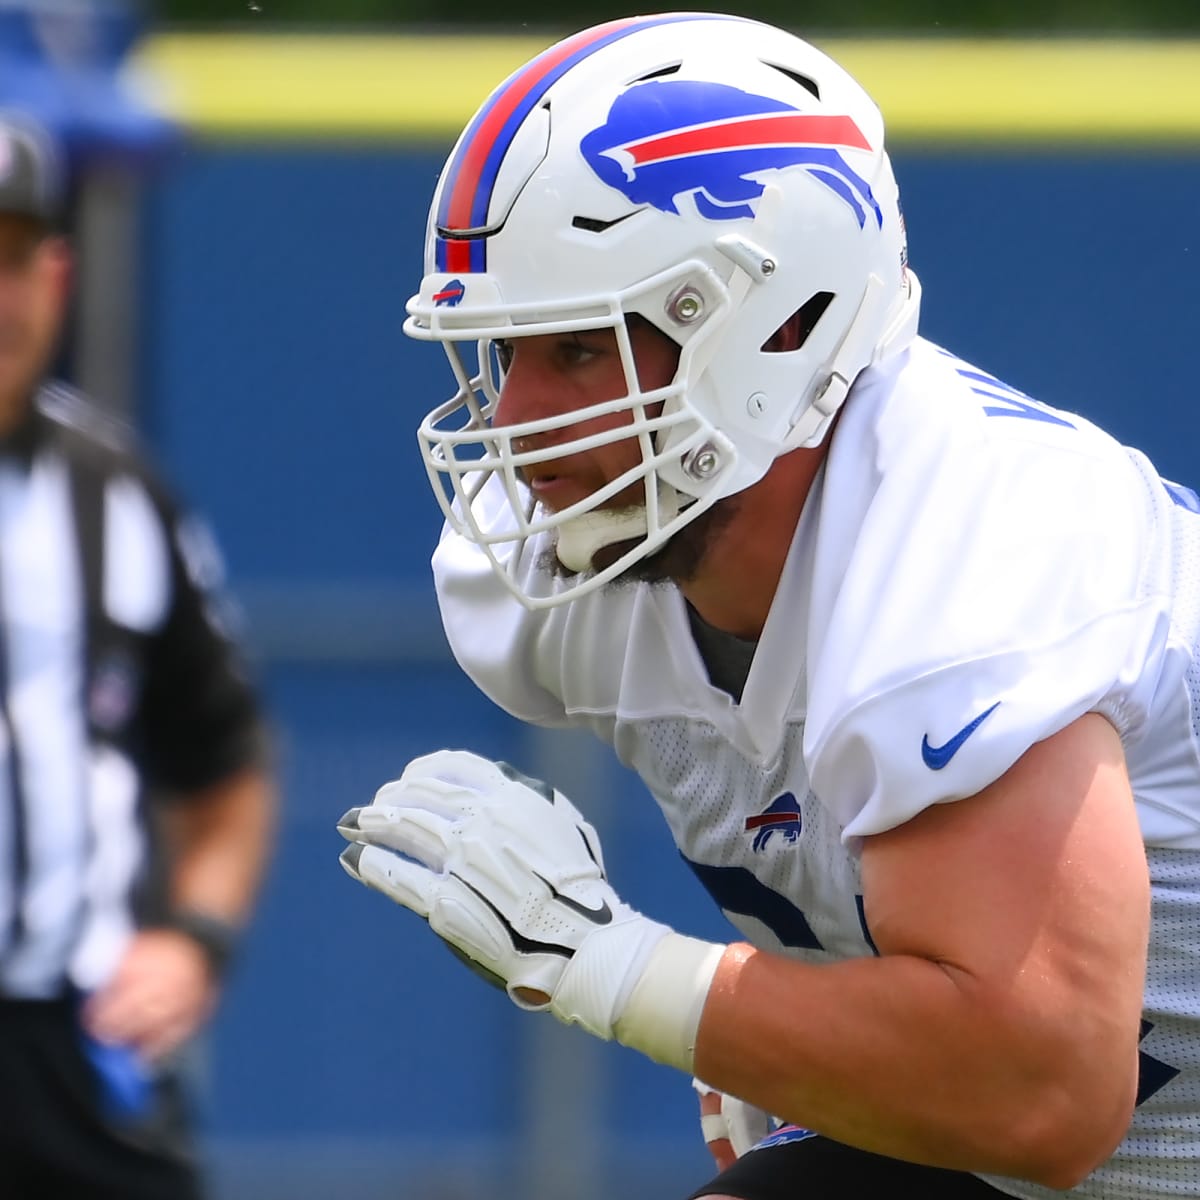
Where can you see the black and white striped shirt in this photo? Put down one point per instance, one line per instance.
(118, 684)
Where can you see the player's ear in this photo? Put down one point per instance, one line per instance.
(59, 265)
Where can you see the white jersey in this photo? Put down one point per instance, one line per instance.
(971, 573)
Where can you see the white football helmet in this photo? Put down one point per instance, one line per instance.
(714, 175)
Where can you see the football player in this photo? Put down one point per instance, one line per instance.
(907, 658)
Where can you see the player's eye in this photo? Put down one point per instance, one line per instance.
(504, 353)
(577, 349)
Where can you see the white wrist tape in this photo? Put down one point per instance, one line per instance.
(662, 1014)
(742, 1125)
(595, 984)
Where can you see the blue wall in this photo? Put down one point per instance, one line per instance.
(282, 396)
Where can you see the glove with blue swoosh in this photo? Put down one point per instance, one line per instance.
(509, 874)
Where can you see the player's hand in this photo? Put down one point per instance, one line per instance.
(506, 871)
(161, 994)
(730, 1126)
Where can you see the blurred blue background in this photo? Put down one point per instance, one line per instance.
(269, 261)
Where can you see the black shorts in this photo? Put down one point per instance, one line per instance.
(58, 1134)
(816, 1168)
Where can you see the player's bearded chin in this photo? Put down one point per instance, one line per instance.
(676, 562)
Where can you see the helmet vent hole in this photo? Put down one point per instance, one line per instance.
(671, 69)
(807, 84)
(797, 329)
(597, 225)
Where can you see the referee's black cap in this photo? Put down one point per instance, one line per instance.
(30, 172)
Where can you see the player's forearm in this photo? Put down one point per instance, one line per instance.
(221, 842)
(909, 1058)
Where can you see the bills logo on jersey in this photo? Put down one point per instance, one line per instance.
(450, 296)
(670, 138)
(782, 1136)
(781, 816)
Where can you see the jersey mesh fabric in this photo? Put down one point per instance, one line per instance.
(770, 887)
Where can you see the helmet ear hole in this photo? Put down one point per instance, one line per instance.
(797, 329)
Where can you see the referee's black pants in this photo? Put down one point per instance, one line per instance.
(58, 1137)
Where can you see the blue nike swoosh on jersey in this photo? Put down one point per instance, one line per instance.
(936, 757)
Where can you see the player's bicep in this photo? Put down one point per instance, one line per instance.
(1035, 890)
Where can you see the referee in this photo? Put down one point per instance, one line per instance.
(136, 799)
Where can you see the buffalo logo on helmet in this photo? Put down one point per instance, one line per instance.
(782, 816)
(669, 138)
(450, 295)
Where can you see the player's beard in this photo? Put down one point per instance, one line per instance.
(678, 561)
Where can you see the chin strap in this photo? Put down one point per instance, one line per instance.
(902, 328)
(859, 346)
(855, 349)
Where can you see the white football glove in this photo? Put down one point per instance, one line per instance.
(506, 870)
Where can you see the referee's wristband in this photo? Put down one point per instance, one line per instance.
(217, 938)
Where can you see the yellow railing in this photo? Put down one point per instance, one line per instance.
(938, 90)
